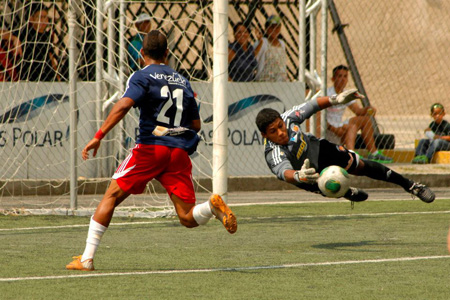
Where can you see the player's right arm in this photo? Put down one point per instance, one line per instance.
(277, 161)
(280, 165)
(306, 174)
(118, 112)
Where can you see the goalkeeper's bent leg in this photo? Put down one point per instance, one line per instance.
(378, 171)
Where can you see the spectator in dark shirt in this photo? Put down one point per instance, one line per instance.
(437, 136)
(241, 55)
(39, 61)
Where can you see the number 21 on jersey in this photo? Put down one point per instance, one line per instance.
(176, 97)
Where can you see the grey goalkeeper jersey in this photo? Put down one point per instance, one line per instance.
(301, 145)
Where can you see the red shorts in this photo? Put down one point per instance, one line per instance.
(170, 166)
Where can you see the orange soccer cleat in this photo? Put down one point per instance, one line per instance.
(223, 213)
(77, 264)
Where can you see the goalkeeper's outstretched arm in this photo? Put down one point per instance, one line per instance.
(306, 174)
(345, 97)
(342, 98)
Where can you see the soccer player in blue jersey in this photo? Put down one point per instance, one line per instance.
(168, 125)
(297, 157)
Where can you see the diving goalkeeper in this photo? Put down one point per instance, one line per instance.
(298, 158)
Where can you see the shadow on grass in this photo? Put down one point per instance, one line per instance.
(351, 246)
(299, 219)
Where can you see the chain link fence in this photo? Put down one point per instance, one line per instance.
(400, 49)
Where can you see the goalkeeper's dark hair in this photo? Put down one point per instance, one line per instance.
(266, 117)
(437, 105)
(340, 67)
(155, 45)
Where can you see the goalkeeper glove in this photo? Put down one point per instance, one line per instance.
(306, 174)
(345, 97)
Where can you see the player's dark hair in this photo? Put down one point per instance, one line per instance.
(266, 117)
(437, 105)
(155, 45)
(340, 67)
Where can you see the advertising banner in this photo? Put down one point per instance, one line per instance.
(35, 131)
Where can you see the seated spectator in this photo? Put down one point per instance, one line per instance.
(346, 130)
(272, 55)
(10, 53)
(438, 136)
(39, 61)
(143, 26)
(241, 55)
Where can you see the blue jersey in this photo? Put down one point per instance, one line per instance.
(164, 98)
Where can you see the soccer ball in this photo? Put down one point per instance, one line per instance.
(334, 181)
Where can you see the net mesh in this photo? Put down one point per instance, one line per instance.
(35, 122)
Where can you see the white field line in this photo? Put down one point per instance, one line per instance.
(326, 200)
(79, 225)
(237, 269)
(243, 218)
(299, 202)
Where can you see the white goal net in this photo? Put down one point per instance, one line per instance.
(42, 108)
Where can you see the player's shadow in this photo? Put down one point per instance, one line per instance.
(351, 246)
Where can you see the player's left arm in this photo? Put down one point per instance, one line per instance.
(300, 113)
(342, 98)
(345, 97)
(306, 110)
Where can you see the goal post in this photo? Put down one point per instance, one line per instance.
(220, 96)
(73, 107)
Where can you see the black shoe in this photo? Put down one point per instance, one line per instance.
(422, 191)
(356, 195)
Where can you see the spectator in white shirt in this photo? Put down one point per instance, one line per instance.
(346, 130)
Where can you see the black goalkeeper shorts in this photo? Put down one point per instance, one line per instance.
(332, 154)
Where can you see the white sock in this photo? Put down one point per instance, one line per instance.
(375, 152)
(202, 213)
(95, 234)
